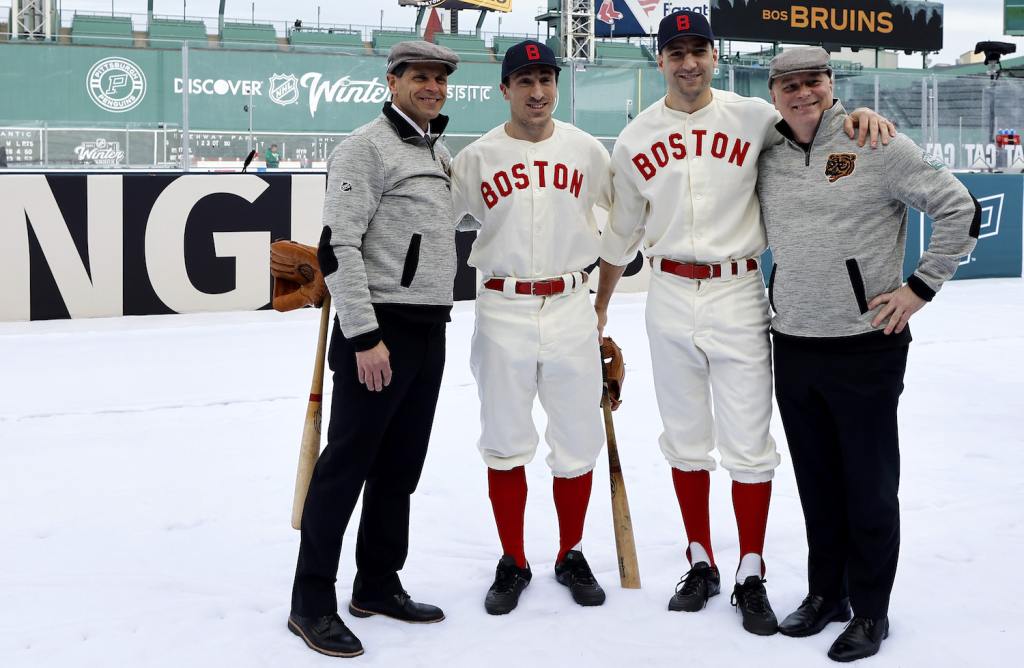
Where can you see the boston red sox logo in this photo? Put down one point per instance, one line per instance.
(532, 52)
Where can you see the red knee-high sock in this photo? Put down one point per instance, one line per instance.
(693, 490)
(572, 496)
(507, 490)
(750, 503)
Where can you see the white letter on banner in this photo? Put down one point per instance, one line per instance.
(97, 292)
(308, 193)
(165, 247)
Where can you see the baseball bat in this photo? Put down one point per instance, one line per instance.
(625, 546)
(309, 447)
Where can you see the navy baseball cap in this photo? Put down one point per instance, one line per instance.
(527, 54)
(682, 24)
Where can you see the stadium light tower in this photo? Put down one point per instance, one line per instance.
(33, 19)
(578, 29)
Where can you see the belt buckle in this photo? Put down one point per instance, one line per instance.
(701, 267)
(536, 288)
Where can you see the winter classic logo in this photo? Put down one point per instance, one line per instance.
(284, 89)
(116, 84)
(100, 152)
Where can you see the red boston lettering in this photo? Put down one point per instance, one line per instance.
(490, 199)
(644, 166)
(532, 52)
(682, 22)
(659, 155)
(519, 174)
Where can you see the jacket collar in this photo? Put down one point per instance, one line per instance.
(831, 122)
(405, 129)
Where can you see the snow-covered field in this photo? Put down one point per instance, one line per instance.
(146, 472)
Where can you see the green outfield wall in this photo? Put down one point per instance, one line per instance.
(102, 106)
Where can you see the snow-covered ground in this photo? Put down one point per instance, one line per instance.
(146, 472)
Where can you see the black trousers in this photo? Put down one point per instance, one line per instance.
(839, 412)
(376, 442)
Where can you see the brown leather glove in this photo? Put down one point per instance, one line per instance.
(614, 369)
(297, 278)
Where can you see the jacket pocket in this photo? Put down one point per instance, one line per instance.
(771, 287)
(857, 283)
(412, 260)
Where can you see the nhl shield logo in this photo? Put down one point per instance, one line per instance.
(284, 89)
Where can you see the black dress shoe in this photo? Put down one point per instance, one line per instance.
(699, 584)
(813, 615)
(399, 607)
(751, 599)
(861, 638)
(327, 635)
(509, 582)
(575, 573)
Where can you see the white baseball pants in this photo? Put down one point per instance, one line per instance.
(710, 347)
(527, 346)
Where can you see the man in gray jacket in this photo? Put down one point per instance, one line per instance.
(836, 218)
(388, 257)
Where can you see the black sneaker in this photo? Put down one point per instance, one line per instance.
(509, 582)
(861, 638)
(327, 635)
(699, 584)
(751, 599)
(574, 573)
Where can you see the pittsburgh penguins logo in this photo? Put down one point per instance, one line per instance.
(840, 165)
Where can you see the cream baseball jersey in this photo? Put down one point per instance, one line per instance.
(534, 201)
(685, 183)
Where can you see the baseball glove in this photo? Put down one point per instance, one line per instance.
(297, 278)
(614, 369)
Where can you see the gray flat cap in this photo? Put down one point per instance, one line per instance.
(803, 59)
(419, 51)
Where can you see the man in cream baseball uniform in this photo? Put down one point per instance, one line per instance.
(532, 183)
(684, 173)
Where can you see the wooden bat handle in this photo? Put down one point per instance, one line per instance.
(625, 545)
(309, 447)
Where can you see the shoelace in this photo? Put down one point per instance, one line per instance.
(859, 621)
(505, 581)
(755, 599)
(688, 585)
(581, 572)
(326, 624)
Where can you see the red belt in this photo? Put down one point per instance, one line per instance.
(542, 288)
(703, 272)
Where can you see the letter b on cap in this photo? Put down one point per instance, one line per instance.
(682, 22)
(532, 52)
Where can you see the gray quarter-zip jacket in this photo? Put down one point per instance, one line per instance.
(388, 237)
(836, 219)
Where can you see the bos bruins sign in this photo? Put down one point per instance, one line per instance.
(886, 24)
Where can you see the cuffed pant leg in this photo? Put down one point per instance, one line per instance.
(732, 330)
(569, 384)
(680, 371)
(503, 358)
